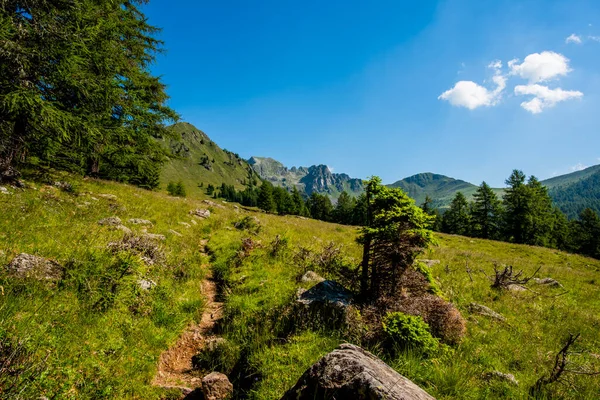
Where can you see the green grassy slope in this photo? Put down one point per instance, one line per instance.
(192, 162)
(80, 350)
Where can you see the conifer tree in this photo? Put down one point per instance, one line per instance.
(76, 91)
(396, 233)
(265, 197)
(486, 215)
(343, 209)
(457, 218)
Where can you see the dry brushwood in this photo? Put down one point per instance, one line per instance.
(503, 279)
(561, 363)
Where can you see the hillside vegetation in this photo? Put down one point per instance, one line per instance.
(196, 160)
(96, 333)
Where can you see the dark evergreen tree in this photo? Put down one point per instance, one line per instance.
(457, 218)
(76, 90)
(265, 197)
(344, 208)
(587, 233)
(320, 207)
(486, 215)
(515, 208)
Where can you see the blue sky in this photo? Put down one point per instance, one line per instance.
(468, 89)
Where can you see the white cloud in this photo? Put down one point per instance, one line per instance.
(540, 67)
(544, 97)
(594, 38)
(578, 167)
(573, 38)
(471, 95)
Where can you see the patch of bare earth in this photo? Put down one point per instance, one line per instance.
(175, 364)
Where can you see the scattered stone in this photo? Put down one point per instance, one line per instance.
(93, 198)
(311, 276)
(236, 207)
(483, 310)
(139, 221)
(216, 386)
(430, 263)
(326, 303)
(174, 232)
(29, 266)
(516, 288)
(123, 228)
(350, 372)
(146, 284)
(200, 212)
(144, 246)
(501, 376)
(110, 221)
(212, 204)
(193, 222)
(66, 186)
(548, 282)
(155, 236)
(185, 224)
(107, 196)
(4, 190)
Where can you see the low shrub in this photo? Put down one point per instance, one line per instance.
(409, 331)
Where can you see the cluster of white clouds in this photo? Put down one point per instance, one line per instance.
(537, 69)
(578, 39)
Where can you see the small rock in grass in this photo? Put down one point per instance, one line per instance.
(146, 284)
(212, 204)
(174, 232)
(110, 221)
(216, 386)
(548, 282)
(4, 190)
(123, 228)
(155, 236)
(139, 221)
(185, 224)
(311, 276)
(193, 222)
(27, 265)
(516, 288)
(107, 196)
(483, 310)
(200, 212)
(501, 376)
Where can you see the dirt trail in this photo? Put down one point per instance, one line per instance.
(175, 365)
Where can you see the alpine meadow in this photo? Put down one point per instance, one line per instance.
(140, 259)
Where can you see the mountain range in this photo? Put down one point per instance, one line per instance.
(198, 161)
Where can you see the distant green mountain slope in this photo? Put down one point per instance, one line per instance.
(198, 160)
(441, 189)
(314, 179)
(576, 191)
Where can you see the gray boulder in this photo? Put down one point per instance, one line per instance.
(216, 386)
(326, 303)
(30, 266)
(350, 372)
(200, 212)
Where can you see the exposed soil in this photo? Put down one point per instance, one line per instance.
(175, 364)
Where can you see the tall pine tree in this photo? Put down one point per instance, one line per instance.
(486, 214)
